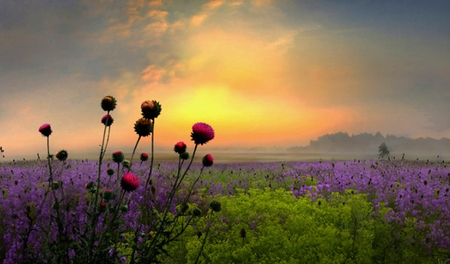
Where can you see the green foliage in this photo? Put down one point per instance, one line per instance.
(278, 228)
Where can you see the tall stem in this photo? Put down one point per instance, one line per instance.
(152, 154)
(204, 238)
(97, 186)
(163, 220)
(134, 150)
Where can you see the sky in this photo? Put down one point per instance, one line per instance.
(262, 73)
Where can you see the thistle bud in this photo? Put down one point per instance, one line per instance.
(108, 103)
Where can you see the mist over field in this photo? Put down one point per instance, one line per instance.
(338, 146)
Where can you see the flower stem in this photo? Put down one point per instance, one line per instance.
(134, 151)
(152, 155)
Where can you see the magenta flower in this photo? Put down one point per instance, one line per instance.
(202, 133)
(180, 147)
(45, 130)
(107, 120)
(207, 160)
(144, 156)
(129, 182)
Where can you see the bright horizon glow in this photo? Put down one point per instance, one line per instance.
(261, 73)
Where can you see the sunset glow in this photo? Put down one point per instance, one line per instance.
(261, 73)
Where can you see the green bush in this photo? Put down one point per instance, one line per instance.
(264, 226)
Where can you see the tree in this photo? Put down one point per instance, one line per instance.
(383, 150)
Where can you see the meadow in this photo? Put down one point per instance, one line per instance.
(356, 211)
(117, 209)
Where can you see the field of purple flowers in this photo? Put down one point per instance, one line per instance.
(415, 191)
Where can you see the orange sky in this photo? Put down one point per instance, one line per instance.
(262, 73)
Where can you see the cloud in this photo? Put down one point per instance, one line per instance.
(198, 19)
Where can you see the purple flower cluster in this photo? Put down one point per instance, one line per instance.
(23, 187)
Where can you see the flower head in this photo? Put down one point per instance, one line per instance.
(215, 206)
(118, 156)
(202, 133)
(129, 182)
(102, 207)
(62, 155)
(150, 109)
(126, 164)
(207, 160)
(144, 156)
(184, 155)
(143, 127)
(45, 130)
(107, 120)
(108, 195)
(180, 147)
(108, 103)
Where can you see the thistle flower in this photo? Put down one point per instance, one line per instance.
(118, 156)
(197, 212)
(102, 207)
(110, 172)
(150, 109)
(202, 133)
(144, 156)
(107, 120)
(184, 155)
(180, 147)
(45, 130)
(89, 185)
(215, 206)
(107, 195)
(207, 160)
(62, 155)
(108, 103)
(129, 182)
(143, 127)
(126, 164)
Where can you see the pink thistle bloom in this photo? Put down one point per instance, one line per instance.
(180, 147)
(45, 130)
(118, 156)
(107, 120)
(129, 182)
(144, 156)
(207, 160)
(202, 133)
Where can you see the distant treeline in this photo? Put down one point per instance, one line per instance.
(369, 143)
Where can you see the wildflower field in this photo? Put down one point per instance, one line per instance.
(196, 210)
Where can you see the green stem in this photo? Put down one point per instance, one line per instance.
(152, 155)
(163, 220)
(204, 238)
(134, 150)
(97, 186)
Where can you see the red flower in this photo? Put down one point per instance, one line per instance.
(107, 120)
(118, 156)
(129, 182)
(180, 147)
(45, 130)
(144, 156)
(102, 207)
(207, 160)
(202, 133)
